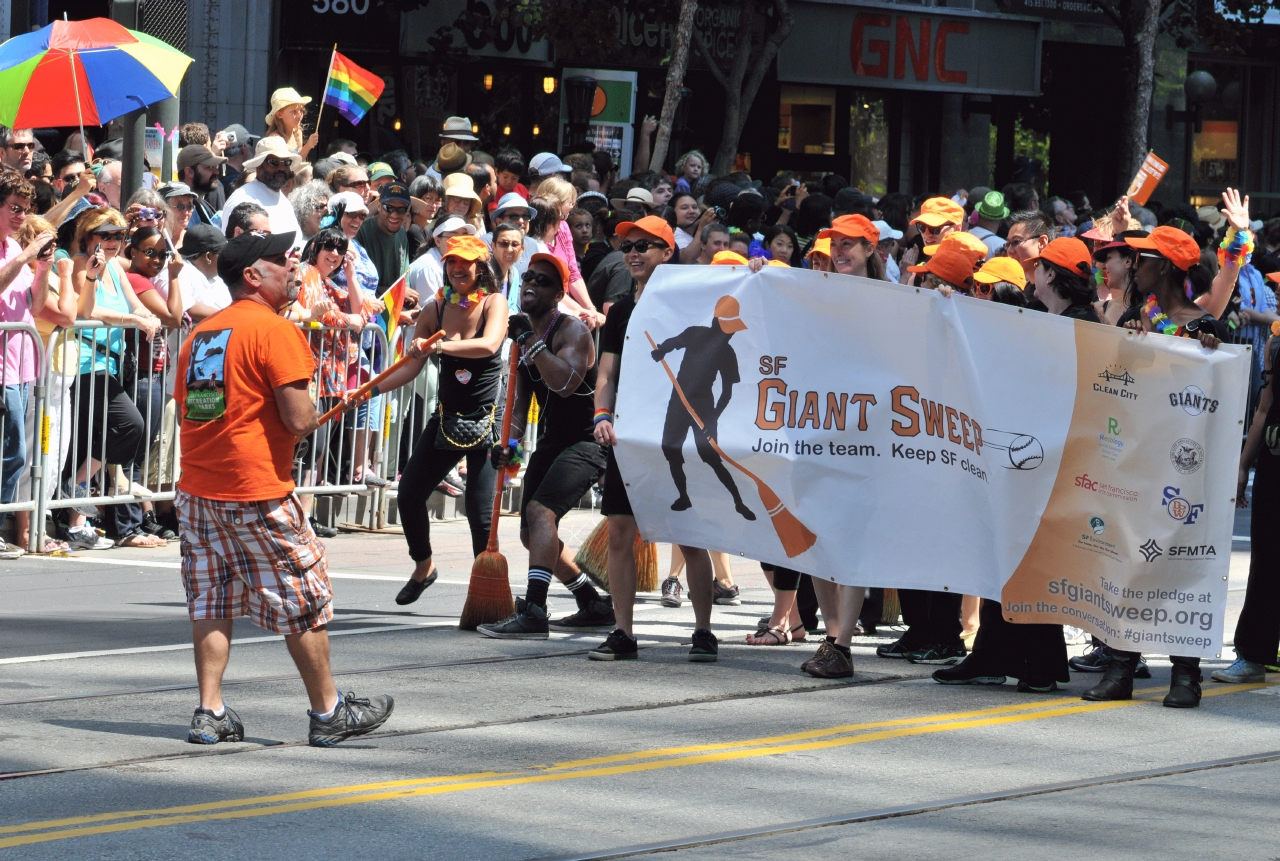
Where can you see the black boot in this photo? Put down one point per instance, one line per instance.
(1117, 681)
(1184, 685)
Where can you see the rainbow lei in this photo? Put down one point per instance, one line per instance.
(517, 457)
(1236, 248)
(463, 300)
(1159, 319)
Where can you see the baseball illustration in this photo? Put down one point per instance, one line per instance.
(1025, 452)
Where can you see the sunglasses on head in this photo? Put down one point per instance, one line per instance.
(537, 279)
(640, 245)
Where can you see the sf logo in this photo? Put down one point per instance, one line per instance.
(1179, 509)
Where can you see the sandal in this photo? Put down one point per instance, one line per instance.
(53, 545)
(141, 539)
(770, 637)
(804, 634)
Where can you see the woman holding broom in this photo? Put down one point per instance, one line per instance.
(473, 315)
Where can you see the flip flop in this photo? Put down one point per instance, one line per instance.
(770, 637)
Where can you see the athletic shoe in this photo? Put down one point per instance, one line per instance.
(151, 526)
(448, 489)
(87, 538)
(725, 595)
(618, 647)
(529, 622)
(1096, 660)
(937, 655)
(597, 617)
(894, 650)
(321, 530)
(207, 728)
(705, 649)
(829, 663)
(1242, 672)
(372, 479)
(1074, 636)
(1026, 687)
(671, 592)
(966, 673)
(352, 717)
(10, 551)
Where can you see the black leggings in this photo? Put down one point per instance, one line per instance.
(933, 618)
(425, 470)
(1035, 653)
(1258, 630)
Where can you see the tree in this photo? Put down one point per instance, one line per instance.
(675, 81)
(762, 28)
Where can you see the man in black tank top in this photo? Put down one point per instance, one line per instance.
(558, 366)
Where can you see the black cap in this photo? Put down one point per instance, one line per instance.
(247, 249)
(200, 238)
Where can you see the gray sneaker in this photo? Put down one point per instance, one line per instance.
(725, 595)
(206, 728)
(10, 551)
(1242, 672)
(352, 717)
(87, 538)
(671, 591)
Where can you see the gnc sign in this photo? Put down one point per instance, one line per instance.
(889, 47)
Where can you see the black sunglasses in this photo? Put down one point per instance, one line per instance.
(272, 161)
(334, 245)
(539, 280)
(394, 210)
(154, 254)
(640, 245)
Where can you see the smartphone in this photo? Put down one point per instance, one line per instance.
(149, 213)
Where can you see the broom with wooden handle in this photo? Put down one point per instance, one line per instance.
(794, 535)
(489, 592)
(359, 393)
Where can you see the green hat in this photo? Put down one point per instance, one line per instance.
(380, 169)
(992, 206)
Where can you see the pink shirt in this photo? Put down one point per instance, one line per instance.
(563, 248)
(15, 307)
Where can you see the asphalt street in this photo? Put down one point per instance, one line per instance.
(518, 749)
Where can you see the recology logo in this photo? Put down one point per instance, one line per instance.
(1110, 442)
(1178, 508)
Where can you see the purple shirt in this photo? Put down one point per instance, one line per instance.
(15, 307)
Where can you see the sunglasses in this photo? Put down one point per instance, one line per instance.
(70, 177)
(19, 210)
(22, 146)
(338, 247)
(394, 210)
(358, 216)
(277, 259)
(155, 254)
(182, 207)
(273, 162)
(537, 279)
(982, 288)
(641, 246)
(360, 183)
(926, 228)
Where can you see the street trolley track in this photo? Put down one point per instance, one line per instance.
(230, 750)
(902, 811)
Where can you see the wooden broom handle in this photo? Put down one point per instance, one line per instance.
(512, 367)
(364, 389)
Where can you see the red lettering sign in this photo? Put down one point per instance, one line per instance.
(880, 47)
(945, 75)
(906, 45)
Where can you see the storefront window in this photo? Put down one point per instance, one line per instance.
(1215, 147)
(807, 120)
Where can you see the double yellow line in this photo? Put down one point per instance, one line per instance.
(602, 766)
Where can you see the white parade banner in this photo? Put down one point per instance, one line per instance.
(882, 435)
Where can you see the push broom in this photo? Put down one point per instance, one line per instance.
(489, 592)
(794, 535)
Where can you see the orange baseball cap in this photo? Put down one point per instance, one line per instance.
(999, 269)
(772, 262)
(651, 224)
(821, 245)
(965, 243)
(852, 226)
(556, 262)
(937, 211)
(1071, 254)
(951, 266)
(1169, 242)
(467, 248)
(728, 258)
(728, 314)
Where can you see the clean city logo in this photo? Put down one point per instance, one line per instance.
(1179, 509)
(1151, 551)
(1110, 443)
(1187, 456)
(1115, 382)
(1193, 400)
(1084, 482)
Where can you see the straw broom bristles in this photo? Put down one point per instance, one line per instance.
(593, 559)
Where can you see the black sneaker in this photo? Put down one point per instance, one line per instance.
(151, 526)
(894, 650)
(321, 530)
(1096, 660)
(967, 672)
(726, 595)
(352, 717)
(937, 655)
(705, 649)
(209, 729)
(528, 623)
(597, 617)
(618, 647)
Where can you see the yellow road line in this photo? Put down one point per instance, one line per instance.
(370, 793)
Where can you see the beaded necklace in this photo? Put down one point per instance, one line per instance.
(543, 339)
(463, 300)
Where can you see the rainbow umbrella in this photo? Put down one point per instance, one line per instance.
(77, 72)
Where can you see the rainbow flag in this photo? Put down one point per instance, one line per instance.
(351, 89)
(389, 319)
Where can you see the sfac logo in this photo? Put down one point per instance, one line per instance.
(1178, 508)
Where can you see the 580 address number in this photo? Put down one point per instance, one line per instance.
(340, 7)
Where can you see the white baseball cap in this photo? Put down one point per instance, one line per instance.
(548, 164)
(887, 232)
(451, 224)
(349, 201)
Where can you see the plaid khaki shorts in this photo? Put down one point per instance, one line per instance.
(255, 559)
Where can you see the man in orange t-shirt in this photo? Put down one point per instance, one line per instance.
(243, 387)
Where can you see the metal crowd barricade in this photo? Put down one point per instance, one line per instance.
(405, 414)
(15, 339)
(109, 432)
